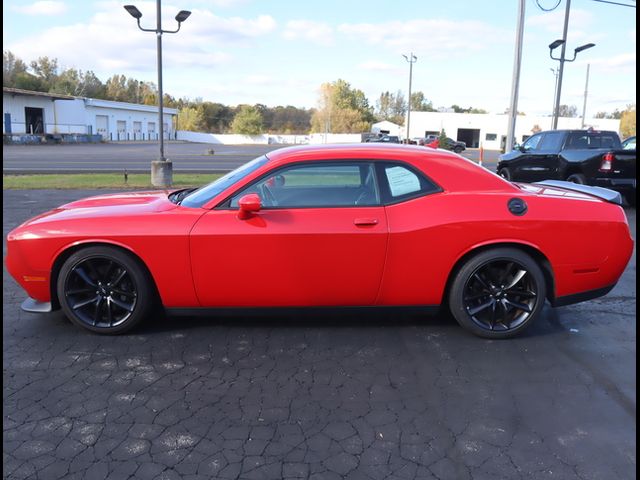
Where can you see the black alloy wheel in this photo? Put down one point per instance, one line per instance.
(104, 289)
(498, 293)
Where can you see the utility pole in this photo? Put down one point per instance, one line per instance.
(586, 90)
(411, 59)
(515, 82)
(556, 109)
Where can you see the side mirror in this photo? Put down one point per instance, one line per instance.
(249, 204)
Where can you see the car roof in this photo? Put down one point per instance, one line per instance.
(451, 171)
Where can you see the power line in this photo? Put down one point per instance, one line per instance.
(616, 3)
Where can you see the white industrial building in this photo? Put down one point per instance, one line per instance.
(37, 113)
(490, 130)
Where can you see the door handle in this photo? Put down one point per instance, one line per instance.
(364, 222)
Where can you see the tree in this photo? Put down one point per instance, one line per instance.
(190, 119)
(458, 109)
(46, 70)
(12, 66)
(391, 107)
(628, 121)
(342, 109)
(420, 104)
(248, 121)
(570, 111)
(442, 140)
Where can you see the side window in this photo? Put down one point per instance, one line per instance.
(551, 141)
(317, 185)
(578, 141)
(532, 143)
(402, 183)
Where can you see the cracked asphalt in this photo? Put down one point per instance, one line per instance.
(381, 396)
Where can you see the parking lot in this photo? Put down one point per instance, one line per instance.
(375, 396)
(137, 157)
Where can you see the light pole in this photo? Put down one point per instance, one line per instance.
(586, 91)
(555, 87)
(515, 82)
(552, 46)
(162, 169)
(411, 59)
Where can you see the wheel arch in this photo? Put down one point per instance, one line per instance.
(529, 249)
(69, 250)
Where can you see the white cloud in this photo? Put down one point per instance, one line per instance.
(553, 22)
(438, 38)
(41, 8)
(316, 32)
(377, 66)
(620, 62)
(109, 42)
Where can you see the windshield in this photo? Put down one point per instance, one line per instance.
(202, 195)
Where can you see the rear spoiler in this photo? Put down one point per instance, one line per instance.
(602, 193)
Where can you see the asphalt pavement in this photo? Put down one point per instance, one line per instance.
(381, 396)
(137, 157)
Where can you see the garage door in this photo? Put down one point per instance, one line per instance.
(102, 126)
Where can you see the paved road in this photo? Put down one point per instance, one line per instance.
(137, 157)
(385, 396)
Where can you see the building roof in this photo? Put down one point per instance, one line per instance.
(31, 93)
(91, 102)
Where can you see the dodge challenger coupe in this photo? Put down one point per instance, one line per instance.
(328, 226)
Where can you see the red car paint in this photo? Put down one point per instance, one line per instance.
(397, 254)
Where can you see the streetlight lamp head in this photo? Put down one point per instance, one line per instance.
(182, 15)
(133, 11)
(555, 44)
(584, 47)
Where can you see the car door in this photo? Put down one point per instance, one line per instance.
(319, 239)
(527, 166)
(547, 159)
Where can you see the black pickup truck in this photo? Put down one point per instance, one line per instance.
(588, 157)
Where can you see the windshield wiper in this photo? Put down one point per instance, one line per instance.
(177, 197)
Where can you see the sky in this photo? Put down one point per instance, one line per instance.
(279, 52)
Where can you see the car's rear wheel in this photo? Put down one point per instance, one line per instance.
(457, 149)
(505, 173)
(104, 289)
(497, 293)
(577, 178)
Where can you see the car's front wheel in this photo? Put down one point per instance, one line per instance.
(497, 293)
(104, 289)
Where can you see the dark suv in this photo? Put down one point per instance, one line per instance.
(451, 144)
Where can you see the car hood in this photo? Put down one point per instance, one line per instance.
(109, 205)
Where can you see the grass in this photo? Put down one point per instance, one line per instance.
(100, 180)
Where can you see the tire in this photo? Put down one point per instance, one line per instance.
(631, 199)
(481, 304)
(105, 290)
(457, 149)
(577, 178)
(505, 173)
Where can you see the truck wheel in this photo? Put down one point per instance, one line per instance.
(631, 199)
(505, 173)
(577, 178)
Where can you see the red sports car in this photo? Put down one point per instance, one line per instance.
(328, 226)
